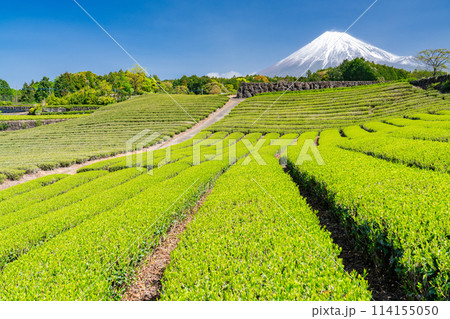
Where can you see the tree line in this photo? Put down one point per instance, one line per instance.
(89, 88)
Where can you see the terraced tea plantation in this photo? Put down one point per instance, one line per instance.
(246, 232)
(300, 111)
(101, 134)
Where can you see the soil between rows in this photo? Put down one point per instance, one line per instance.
(147, 285)
(384, 285)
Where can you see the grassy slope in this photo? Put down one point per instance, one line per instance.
(103, 133)
(330, 108)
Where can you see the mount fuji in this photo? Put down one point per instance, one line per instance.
(329, 50)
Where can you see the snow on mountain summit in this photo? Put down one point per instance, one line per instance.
(329, 50)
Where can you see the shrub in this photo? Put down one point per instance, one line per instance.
(13, 174)
(81, 160)
(66, 163)
(105, 100)
(48, 166)
(53, 100)
(396, 216)
(4, 126)
(408, 79)
(213, 88)
(35, 111)
(29, 169)
(181, 89)
(434, 86)
(2, 178)
(30, 186)
(230, 87)
(167, 85)
(446, 87)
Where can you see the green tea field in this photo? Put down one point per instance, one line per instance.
(329, 108)
(102, 134)
(239, 208)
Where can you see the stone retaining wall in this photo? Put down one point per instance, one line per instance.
(24, 124)
(425, 83)
(59, 109)
(251, 89)
(15, 109)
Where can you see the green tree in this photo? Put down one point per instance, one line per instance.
(5, 91)
(105, 88)
(212, 88)
(64, 84)
(181, 89)
(358, 70)
(261, 78)
(435, 59)
(420, 74)
(137, 77)
(230, 87)
(137, 69)
(335, 74)
(314, 77)
(27, 94)
(53, 100)
(43, 89)
(167, 85)
(239, 81)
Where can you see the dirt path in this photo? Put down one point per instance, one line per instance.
(210, 120)
(147, 285)
(179, 138)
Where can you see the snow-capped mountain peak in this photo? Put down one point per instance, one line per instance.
(329, 50)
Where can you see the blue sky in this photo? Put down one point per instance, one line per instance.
(172, 38)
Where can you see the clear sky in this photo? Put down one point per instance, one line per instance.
(173, 38)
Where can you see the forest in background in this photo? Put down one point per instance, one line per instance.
(88, 88)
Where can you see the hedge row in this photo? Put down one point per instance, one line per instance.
(417, 153)
(29, 186)
(398, 212)
(329, 108)
(97, 259)
(255, 238)
(64, 185)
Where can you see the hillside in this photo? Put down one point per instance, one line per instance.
(101, 134)
(296, 112)
(85, 237)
